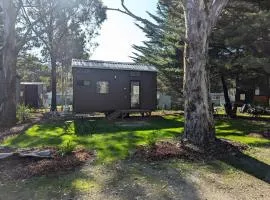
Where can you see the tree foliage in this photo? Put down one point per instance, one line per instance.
(164, 47)
(237, 44)
(63, 22)
(31, 69)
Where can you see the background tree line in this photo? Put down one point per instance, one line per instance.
(237, 45)
(59, 28)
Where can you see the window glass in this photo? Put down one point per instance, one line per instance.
(257, 91)
(80, 82)
(103, 87)
(86, 83)
(83, 83)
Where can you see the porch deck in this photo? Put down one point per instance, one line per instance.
(124, 113)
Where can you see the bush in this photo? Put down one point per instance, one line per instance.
(153, 137)
(85, 127)
(23, 113)
(67, 148)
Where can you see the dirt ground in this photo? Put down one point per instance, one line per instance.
(131, 179)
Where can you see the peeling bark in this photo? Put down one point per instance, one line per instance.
(8, 65)
(200, 17)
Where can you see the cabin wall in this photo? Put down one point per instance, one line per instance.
(248, 88)
(32, 95)
(86, 99)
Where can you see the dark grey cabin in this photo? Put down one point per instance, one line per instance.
(255, 90)
(101, 86)
(32, 94)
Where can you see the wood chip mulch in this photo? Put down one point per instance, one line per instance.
(57, 164)
(24, 168)
(166, 150)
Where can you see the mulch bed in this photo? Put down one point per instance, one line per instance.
(166, 150)
(23, 168)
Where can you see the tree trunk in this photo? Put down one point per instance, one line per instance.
(200, 17)
(8, 66)
(53, 82)
(228, 104)
(237, 93)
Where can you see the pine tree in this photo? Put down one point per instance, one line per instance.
(163, 48)
(235, 45)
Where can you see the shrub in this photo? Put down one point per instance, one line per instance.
(152, 138)
(85, 127)
(23, 113)
(67, 148)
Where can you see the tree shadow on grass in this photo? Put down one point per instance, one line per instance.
(92, 126)
(249, 165)
(251, 118)
(249, 132)
(62, 185)
(140, 180)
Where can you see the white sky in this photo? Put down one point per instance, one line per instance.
(119, 33)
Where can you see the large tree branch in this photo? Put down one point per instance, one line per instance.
(215, 10)
(126, 11)
(31, 28)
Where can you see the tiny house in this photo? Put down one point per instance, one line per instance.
(102, 86)
(32, 94)
(255, 90)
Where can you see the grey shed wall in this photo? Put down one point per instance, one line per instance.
(87, 100)
(32, 95)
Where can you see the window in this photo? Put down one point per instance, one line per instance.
(83, 83)
(257, 91)
(103, 87)
(242, 97)
(132, 73)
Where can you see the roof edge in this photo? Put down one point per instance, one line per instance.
(75, 65)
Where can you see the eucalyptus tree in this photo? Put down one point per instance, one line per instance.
(64, 17)
(200, 18)
(7, 63)
(31, 69)
(22, 23)
(16, 35)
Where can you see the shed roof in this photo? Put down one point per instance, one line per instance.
(32, 83)
(97, 64)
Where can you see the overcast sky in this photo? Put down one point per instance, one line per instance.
(118, 32)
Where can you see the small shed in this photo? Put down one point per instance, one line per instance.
(32, 94)
(105, 86)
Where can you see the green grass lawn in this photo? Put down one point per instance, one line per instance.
(114, 140)
(245, 177)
